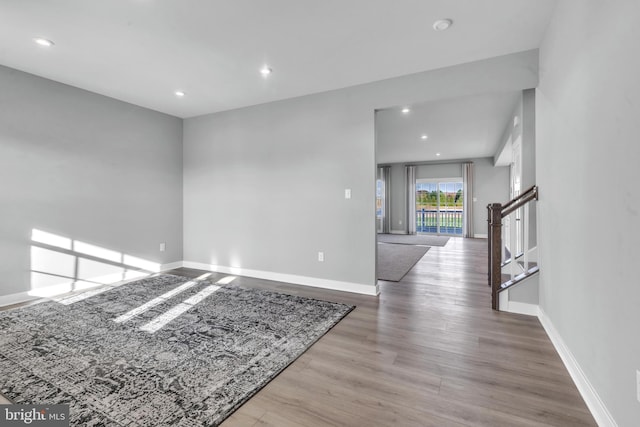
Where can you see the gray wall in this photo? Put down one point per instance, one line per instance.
(528, 123)
(85, 167)
(293, 159)
(264, 189)
(529, 156)
(491, 184)
(510, 131)
(587, 158)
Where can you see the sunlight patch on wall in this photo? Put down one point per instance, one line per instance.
(99, 272)
(45, 285)
(50, 239)
(96, 251)
(61, 265)
(52, 262)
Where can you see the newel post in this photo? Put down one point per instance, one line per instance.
(494, 211)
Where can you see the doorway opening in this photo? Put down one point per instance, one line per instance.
(439, 206)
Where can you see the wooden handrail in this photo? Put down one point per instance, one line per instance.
(532, 190)
(531, 194)
(495, 213)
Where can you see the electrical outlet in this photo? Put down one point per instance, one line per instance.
(400, 222)
(347, 193)
(321, 256)
(163, 246)
(638, 385)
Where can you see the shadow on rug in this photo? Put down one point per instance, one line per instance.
(158, 351)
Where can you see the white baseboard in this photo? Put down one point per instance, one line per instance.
(335, 285)
(398, 232)
(594, 403)
(16, 298)
(171, 266)
(503, 300)
(589, 395)
(480, 236)
(522, 308)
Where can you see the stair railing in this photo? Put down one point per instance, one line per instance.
(498, 254)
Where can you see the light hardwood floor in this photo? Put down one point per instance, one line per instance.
(429, 351)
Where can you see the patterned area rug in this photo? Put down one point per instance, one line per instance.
(112, 361)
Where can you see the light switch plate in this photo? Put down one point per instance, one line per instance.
(347, 193)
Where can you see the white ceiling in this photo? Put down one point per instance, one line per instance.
(457, 128)
(142, 51)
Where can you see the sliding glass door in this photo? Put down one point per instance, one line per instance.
(439, 206)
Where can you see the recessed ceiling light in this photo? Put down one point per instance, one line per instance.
(442, 24)
(43, 42)
(424, 137)
(265, 71)
(405, 110)
(179, 93)
(438, 154)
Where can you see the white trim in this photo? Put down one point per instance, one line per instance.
(480, 236)
(503, 300)
(16, 298)
(522, 308)
(597, 407)
(172, 265)
(316, 282)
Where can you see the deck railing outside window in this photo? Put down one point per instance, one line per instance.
(450, 221)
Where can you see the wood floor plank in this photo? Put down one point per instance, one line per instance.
(428, 351)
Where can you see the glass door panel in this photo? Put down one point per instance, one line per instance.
(427, 207)
(439, 207)
(450, 211)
